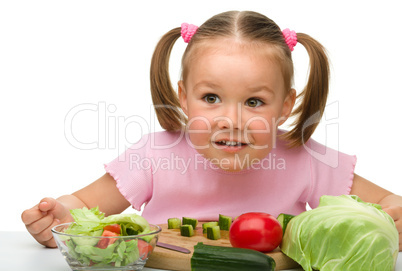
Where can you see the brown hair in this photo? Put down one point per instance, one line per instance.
(253, 27)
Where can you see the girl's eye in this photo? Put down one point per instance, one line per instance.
(211, 98)
(254, 102)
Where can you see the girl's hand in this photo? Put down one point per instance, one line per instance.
(396, 213)
(42, 217)
(103, 193)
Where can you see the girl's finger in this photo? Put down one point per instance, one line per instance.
(31, 215)
(47, 204)
(46, 236)
(54, 207)
(40, 225)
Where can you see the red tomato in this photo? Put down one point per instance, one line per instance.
(144, 249)
(113, 228)
(104, 242)
(258, 231)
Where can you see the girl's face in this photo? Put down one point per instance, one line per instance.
(234, 97)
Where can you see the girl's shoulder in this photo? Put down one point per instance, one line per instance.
(312, 150)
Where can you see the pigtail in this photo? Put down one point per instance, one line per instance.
(164, 97)
(313, 98)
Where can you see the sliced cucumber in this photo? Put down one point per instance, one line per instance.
(190, 221)
(186, 230)
(208, 224)
(174, 223)
(225, 222)
(214, 233)
(284, 220)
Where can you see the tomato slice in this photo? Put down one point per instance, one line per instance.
(105, 242)
(113, 228)
(144, 249)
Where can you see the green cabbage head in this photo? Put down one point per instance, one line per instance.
(342, 233)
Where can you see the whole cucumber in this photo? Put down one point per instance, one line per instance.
(207, 258)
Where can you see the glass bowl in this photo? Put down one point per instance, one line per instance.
(120, 252)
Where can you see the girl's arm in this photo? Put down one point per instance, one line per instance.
(50, 212)
(103, 193)
(391, 203)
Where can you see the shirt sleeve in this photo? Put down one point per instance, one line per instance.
(132, 172)
(332, 172)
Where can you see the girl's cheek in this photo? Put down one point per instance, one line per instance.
(199, 124)
(198, 130)
(260, 132)
(258, 125)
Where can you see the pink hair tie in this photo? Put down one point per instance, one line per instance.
(290, 38)
(187, 31)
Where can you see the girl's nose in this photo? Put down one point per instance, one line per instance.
(230, 117)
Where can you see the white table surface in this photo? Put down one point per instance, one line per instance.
(20, 252)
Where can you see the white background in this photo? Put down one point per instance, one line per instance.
(57, 55)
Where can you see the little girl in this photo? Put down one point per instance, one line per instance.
(222, 151)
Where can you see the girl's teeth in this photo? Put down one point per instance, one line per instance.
(230, 143)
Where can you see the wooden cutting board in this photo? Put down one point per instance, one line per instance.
(172, 260)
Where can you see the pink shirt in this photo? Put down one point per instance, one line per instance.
(166, 173)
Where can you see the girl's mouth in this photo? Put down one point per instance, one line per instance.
(229, 143)
(229, 146)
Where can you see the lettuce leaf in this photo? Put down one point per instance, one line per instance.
(135, 223)
(87, 222)
(85, 215)
(90, 221)
(342, 233)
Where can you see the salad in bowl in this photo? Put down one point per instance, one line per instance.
(96, 242)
